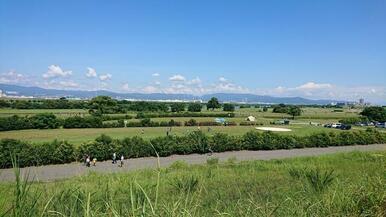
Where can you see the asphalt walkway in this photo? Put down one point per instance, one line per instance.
(62, 171)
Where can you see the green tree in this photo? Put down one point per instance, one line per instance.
(177, 107)
(375, 113)
(213, 104)
(281, 108)
(102, 105)
(228, 107)
(195, 107)
(294, 111)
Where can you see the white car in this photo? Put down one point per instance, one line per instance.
(337, 125)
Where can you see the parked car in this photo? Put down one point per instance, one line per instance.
(381, 125)
(336, 125)
(327, 125)
(345, 127)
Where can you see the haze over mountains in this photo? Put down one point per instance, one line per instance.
(38, 92)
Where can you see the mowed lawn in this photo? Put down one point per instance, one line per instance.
(77, 136)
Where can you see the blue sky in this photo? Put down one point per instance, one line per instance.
(316, 49)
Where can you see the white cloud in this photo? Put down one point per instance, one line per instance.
(91, 73)
(54, 71)
(313, 86)
(105, 77)
(68, 84)
(314, 90)
(177, 78)
(222, 79)
(157, 83)
(195, 81)
(104, 85)
(150, 89)
(155, 74)
(13, 77)
(64, 84)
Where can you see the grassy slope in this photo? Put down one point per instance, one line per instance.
(254, 188)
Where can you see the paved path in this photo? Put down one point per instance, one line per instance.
(55, 172)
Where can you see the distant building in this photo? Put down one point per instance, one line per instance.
(2, 94)
(361, 101)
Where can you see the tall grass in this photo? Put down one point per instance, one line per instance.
(351, 186)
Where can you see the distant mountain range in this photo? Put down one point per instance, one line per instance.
(37, 92)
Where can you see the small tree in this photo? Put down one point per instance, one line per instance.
(229, 107)
(213, 104)
(195, 107)
(265, 109)
(294, 111)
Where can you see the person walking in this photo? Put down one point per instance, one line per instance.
(88, 161)
(94, 160)
(122, 159)
(114, 158)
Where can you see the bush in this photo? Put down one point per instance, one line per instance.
(353, 120)
(35, 154)
(221, 142)
(249, 123)
(209, 123)
(191, 122)
(228, 107)
(182, 114)
(83, 122)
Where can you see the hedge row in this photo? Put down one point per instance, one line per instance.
(183, 114)
(196, 142)
(50, 121)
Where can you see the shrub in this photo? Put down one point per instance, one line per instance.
(221, 142)
(250, 123)
(83, 122)
(44, 121)
(228, 107)
(191, 122)
(209, 123)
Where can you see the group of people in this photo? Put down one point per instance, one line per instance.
(88, 162)
(115, 159)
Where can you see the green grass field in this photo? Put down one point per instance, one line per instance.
(58, 112)
(300, 125)
(350, 184)
(77, 136)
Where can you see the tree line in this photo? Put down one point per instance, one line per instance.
(106, 105)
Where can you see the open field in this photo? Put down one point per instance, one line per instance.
(77, 136)
(349, 184)
(58, 112)
(300, 126)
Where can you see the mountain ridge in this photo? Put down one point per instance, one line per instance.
(38, 92)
